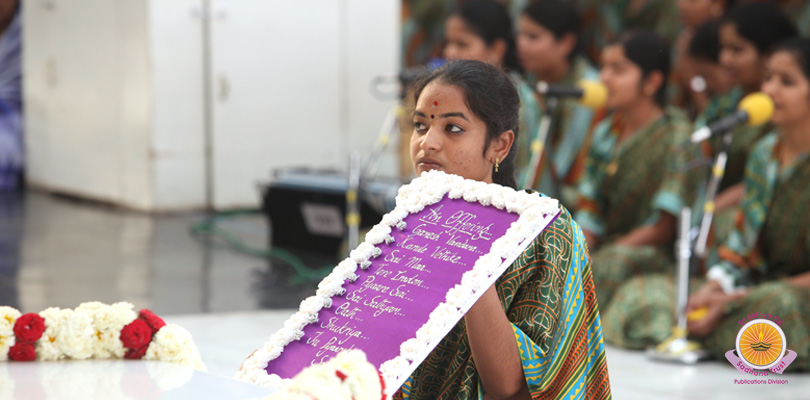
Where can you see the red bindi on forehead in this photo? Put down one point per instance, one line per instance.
(435, 103)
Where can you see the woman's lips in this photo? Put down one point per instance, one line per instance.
(428, 164)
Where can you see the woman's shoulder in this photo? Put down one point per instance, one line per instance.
(765, 145)
(560, 233)
(678, 119)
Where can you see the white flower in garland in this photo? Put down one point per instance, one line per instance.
(47, 347)
(8, 316)
(174, 344)
(108, 320)
(76, 335)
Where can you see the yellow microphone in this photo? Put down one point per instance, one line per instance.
(754, 110)
(591, 93)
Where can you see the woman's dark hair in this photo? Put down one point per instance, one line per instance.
(799, 48)
(558, 16)
(761, 23)
(651, 53)
(490, 21)
(705, 44)
(489, 94)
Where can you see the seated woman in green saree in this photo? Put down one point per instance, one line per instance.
(634, 185)
(746, 35)
(764, 262)
(549, 47)
(536, 332)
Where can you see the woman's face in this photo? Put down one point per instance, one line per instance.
(463, 44)
(622, 77)
(717, 80)
(740, 58)
(788, 87)
(696, 12)
(448, 137)
(538, 49)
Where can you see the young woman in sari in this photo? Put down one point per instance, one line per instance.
(764, 262)
(516, 341)
(747, 33)
(549, 50)
(634, 187)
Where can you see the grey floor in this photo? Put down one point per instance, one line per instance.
(56, 251)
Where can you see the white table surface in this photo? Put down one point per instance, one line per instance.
(117, 379)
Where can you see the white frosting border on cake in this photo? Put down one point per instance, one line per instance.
(535, 214)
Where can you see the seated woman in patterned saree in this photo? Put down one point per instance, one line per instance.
(746, 34)
(764, 262)
(535, 333)
(634, 185)
(550, 50)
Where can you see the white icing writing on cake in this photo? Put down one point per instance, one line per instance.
(445, 255)
(382, 306)
(400, 277)
(343, 329)
(369, 284)
(420, 231)
(415, 263)
(413, 247)
(334, 345)
(434, 217)
(462, 222)
(399, 292)
(346, 310)
(393, 257)
(461, 245)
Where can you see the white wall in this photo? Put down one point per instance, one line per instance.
(115, 94)
(177, 151)
(86, 99)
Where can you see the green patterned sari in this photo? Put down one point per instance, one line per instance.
(770, 242)
(562, 163)
(548, 296)
(629, 185)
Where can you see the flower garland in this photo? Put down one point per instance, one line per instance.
(94, 330)
(347, 376)
(423, 191)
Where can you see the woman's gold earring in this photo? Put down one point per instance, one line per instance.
(497, 163)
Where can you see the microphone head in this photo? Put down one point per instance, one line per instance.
(594, 93)
(759, 108)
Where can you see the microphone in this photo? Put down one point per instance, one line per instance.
(591, 94)
(754, 110)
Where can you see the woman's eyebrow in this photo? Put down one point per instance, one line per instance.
(455, 114)
(419, 114)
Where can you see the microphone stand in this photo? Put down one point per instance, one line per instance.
(352, 201)
(538, 145)
(718, 170)
(678, 347)
(358, 176)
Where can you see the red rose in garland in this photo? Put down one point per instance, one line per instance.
(136, 335)
(135, 354)
(22, 351)
(29, 328)
(155, 322)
